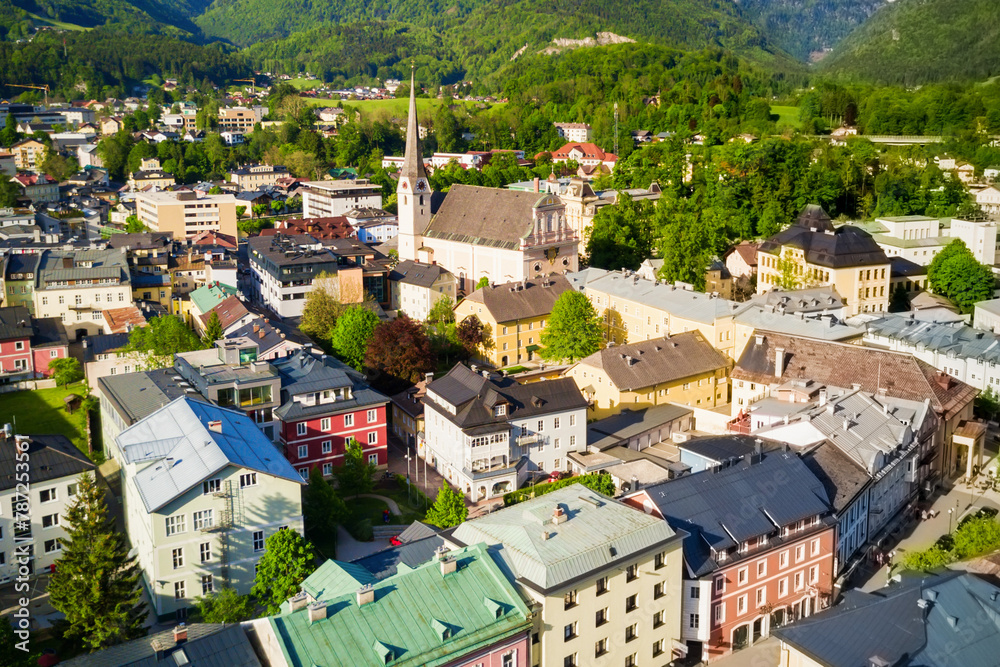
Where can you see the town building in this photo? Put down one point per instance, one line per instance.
(684, 369)
(230, 375)
(240, 119)
(456, 609)
(408, 413)
(476, 232)
(257, 176)
(76, 286)
(19, 279)
(325, 199)
(324, 405)
(919, 238)
(416, 287)
(605, 579)
(486, 433)
(37, 187)
(516, 314)
(194, 645)
(741, 259)
(150, 175)
(922, 620)
(203, 490)
(53, 466)
(812, 252)
(575, 132)
(103, 355)
(186, 213)
(232, 315)
(29, 154)
(272, 342)
(755, 556)
(772, 361)
(206, 298)
(586, 155)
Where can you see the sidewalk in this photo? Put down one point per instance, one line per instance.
(422, 475)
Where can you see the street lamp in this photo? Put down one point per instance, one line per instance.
(949, 520)
(407, 473)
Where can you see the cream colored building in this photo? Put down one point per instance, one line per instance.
(29, 154)
(603, 579)
(253, 177)
(682, 369)
(77, 286)
(633, 309)
(240, 119)
(187, 213)
(811, 252)
(417, 287)
(203, 490)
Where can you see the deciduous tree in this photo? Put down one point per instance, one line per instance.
(401, 349)
(66, 371)
(574, 329)
(357, 475)
(154, 345)
(442, 312)
(621, 236)
(351, 333)
(225, 606)
(960, 278)
(448, 509)
(288, 559)
(96, 584)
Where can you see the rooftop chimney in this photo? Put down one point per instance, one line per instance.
(448, 565)
(215, 425)
(779, 361)
(822, 397)
(317, 611)
(299, 601)
(365, 594)
(558, 515)
(180, 633)
(537, 183)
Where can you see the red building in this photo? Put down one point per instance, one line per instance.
(759, 552)
(324, 404)
(27, 344)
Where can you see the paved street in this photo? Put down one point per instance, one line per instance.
(423, 476)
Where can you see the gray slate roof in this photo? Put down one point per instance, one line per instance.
(659, 360)
(186, 451)
(106, 264)
(959, 339)
(958, 627)
(720, 447)
(411, 554)
(824, 245)
(416, 273)
(725, 507)
(208, 645)
(49, 457)
(491, 217)
(304, 372)
(600, 533)
(136, 395)
(611, 431)
(507, 303)
(15, 322)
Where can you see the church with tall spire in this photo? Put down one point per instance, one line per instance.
(474, 232)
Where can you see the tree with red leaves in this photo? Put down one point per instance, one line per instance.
(400, 348)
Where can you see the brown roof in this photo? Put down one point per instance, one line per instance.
(486, 216)
(409, 400)
(507, 303)
(747, 251)
(659, 360)
(230, 310)
(843, 365)
(214, 238)
(122, 320)
(335, 227)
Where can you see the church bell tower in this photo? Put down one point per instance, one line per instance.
(413, 191)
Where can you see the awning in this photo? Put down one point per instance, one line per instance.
(531, 348)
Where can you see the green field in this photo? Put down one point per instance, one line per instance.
(57, 24)
(43, 412)
(394, 107)
(786, 115)
(305, 84)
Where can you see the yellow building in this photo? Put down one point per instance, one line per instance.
(408, 414)
(150, 175)
(516, 314)
(635, 309)
(29, 154)
(187, 213)
(811, 252)
(683, 369)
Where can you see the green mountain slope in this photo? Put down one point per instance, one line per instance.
(143, 15)
(919, 41)
(808, 27)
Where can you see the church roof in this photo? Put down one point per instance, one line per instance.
(486, 216)
(413, 164)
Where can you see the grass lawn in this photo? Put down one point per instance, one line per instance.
(43, 411)
(786, 115)
(304, 84)
(396, 107)
(57, 24)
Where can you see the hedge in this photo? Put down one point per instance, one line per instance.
(600, 482)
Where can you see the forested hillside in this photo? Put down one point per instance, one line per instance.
(916, 41)
(135, 15)
(807, 27)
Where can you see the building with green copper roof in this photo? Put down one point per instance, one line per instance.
(456, 609)
(209, 296)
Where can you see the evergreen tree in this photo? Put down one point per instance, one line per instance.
(574, 329)
(351, 333)
(322, 507)
(356, 476)
(900, 301)
(213, 330)
(288, 559)
(10, 654)
(448, 509)
(96, 584)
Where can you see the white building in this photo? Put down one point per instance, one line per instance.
(577, 132)
(203, 489)
(325, 199)
(416, 287)
(919, 238)
(487, 434)
(76, 286)
(54, 469)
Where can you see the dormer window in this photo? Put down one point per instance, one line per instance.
(500, 410)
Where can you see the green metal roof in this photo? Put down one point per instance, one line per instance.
(407, 617)
(209, 296)
(598, 533)
(333, 578)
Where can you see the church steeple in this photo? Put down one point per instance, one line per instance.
(413, 191)
(413, 162)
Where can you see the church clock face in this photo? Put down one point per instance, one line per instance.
(421, 186)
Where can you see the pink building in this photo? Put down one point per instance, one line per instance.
(27, 344)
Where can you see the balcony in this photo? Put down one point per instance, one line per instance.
(533, 439)
(82, 306)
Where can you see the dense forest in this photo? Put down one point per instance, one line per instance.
(807, 27)
(911, 42)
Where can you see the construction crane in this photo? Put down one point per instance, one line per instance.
(24, 85)
(252, 82)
